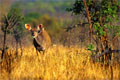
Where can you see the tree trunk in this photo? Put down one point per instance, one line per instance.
(20, 43)
(4, 43)
(16, 48)
(88, 15)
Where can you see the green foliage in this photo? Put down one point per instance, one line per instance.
(51, 24)
(102, 13)
(116, 30)
(17, 12)
(13, 18)
(119, 34)
(13, 22)
(30, 16)
(19, 30)
(109, 10)
(42, 6)
(90, 47)
(104, 16)
(99, 30)
(77, 8)
(34, 15)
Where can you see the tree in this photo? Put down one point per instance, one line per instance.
(102, 16)
(18, 33)
(12, 19)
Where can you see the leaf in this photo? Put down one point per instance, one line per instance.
(96, 27)
(114, 15)
(90, 47)
(97, 33)
(118, 33)
(106, 26)
(109, 10)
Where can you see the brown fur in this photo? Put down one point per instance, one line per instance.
(41, 40)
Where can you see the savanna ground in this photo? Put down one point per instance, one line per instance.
(58, 63)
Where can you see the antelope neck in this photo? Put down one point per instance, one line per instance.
(36, 39)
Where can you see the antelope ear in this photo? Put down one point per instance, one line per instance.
(27, 26)
(40, 27)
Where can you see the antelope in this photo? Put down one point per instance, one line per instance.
(41, 39)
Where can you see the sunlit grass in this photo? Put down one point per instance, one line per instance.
(58, 63)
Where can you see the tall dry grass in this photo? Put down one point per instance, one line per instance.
(58, 63)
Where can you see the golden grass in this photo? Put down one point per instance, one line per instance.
(58, 63)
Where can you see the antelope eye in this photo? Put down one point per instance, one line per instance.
(32, 33)
(39, 31)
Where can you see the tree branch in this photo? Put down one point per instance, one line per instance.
(88, 16)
